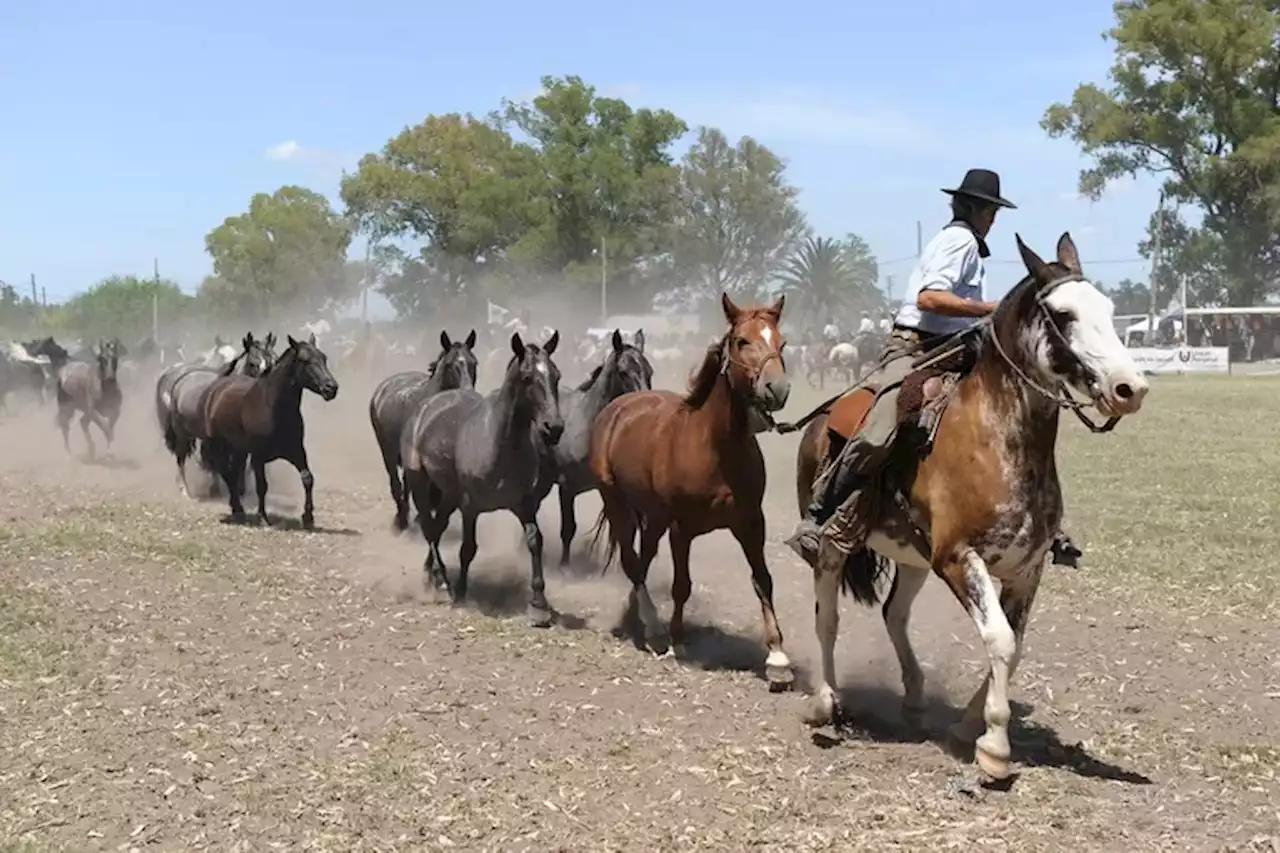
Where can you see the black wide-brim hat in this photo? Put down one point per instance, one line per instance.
(982, 184)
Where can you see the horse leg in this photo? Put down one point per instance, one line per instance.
(681, 585)
(907, 584)
(64, 423)
(85, 420)
(824, 708)
(260, 483)
(967, 576)
(568, 524)
(432, 520)
(651, 533)
(298, 459)
(235, 462)
(539, 610)
(399, 492)
(750, 535)
(622, 521)
(467, 552)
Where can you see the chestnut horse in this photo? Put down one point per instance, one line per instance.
(691, 465)
(985, 502)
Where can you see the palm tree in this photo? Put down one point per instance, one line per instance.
(815, 276)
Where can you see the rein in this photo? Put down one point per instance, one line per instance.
(1061, 395)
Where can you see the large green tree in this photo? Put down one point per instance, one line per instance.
(288, 251)
(821, 280)
(1130, 297)
(460, 189)
(120, 306)
(737, 218)
(1194, 97)
(609, 179)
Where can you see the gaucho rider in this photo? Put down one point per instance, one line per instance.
(946, 294)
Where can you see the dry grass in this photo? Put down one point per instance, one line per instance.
(170, 682)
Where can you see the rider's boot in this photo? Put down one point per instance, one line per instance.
(830, 491)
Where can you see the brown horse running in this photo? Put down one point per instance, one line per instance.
(260, 420)
(984, 504)
(93, 390)
(691, 465)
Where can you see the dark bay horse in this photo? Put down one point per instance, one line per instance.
(691, 465)
(180, 391)
(985, 502)
(625, 369)
(399, 397)
(260, 420)
(93, 390)
(480, 454)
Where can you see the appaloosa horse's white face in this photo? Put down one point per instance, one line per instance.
(1079, 346)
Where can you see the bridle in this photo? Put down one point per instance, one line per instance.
(728, 360)
(1061, 395)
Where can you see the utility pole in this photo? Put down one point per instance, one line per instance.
(604, 280)
(919, 239)
(888, 289)
(35, 304)
(364, 285)
(1155, 271)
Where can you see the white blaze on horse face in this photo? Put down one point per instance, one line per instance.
(1092, 337)
(766, 334)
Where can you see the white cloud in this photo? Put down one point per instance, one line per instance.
(283, 151)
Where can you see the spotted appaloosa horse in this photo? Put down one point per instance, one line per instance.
(691, 465)
(985, 502)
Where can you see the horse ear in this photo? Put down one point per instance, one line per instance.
(517, 345)
(731, 311)
(639, 340)
(776, 308)
(1068, 256)
(471, 340)
(445, 343)
(1035, 264)
(312, 339)
(554, 342)
(617, 340)
(247, 340)
(292, 342)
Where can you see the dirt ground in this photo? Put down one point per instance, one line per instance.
(172, 682)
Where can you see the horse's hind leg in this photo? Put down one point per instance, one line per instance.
(260, 484)
(750, 535)
(432, 520)
(907, 584)
(539, 609)
(85, 420)
(467, 553)
(995, 615)
(64, 424)
(568, 524)
(399, 490)
(232, 465)
(651, 533)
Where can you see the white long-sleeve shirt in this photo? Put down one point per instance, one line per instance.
(951, 261)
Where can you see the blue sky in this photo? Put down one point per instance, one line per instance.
(133, 128)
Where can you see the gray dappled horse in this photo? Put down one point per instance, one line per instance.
(398, 398)
(625, 369)
(93, 390)
(180, 391)
(481, 453)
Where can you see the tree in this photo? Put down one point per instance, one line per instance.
(609, 177)
(288, 250)
(863, 273)
(1130, 297)
(461, 186)
(18, 314)
(737, 218)
(120, 306)
(816, 278)
(1195, 98)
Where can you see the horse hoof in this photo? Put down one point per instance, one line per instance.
(821, 712)
(991, 764)
(539, 617)
(308, 521)
(780, 678)
(913, 717)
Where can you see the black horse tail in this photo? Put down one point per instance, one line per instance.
(861, 573)
(602, 530)
(210, 457)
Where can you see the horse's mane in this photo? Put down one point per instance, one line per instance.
(703, 380)
(591, 380)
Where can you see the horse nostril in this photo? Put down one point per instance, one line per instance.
(1124, 391)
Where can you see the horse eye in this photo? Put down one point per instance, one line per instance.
(742, 342)
(1062, 318)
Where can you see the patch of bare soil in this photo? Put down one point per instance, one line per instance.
(172, 682)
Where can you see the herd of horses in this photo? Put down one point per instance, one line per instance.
(978, 505)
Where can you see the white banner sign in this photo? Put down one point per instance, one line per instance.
(1182, 359)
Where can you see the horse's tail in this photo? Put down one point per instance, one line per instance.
(209, 456)
(602, 530)
(862, 570)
